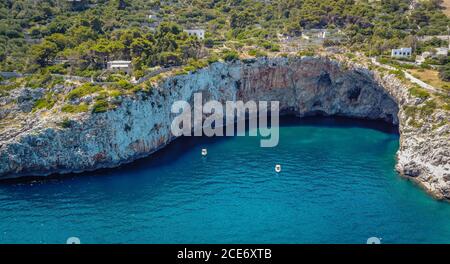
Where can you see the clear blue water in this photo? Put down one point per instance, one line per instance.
(337, 185)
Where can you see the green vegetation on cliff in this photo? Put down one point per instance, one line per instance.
(85, 34)
(49, 39)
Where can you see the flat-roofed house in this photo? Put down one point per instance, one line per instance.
(199, 33)
(120, 65)
(442, 51)
(401, 53)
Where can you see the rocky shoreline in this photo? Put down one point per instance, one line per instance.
(140, 125)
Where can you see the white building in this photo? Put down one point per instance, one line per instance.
(120, 65)
(401, 53)
(441, 51)
(200, 33)
(315, 33)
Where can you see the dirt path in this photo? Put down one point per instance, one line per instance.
(410, 77)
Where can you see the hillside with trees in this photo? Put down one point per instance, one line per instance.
(45, 40)
(87, 33)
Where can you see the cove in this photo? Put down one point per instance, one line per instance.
(337, 185)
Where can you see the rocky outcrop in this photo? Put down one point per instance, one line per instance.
(304, 86)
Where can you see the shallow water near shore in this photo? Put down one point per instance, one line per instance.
(337, 185)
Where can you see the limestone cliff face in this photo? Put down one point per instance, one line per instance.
(304, 86)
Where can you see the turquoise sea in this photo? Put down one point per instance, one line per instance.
(337, 185)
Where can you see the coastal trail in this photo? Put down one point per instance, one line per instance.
(410, 77)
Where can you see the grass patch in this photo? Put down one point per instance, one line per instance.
(422, 112)
(198, 64)
(419, 92)
(257, 53)
(350, 55)
(115, 93)
(156, 78)
(446, 107)
(100, 106)
(410, 111)
(428, 108)
(124, 84)
(399, 73)
(307, 52)
(431, 77)
(415, 123)
(81, 108)
(83, 90)
(189, 68)
(66, 123)
(45, 103)
(5, 88)
(44, 80)
(212, 59)
(230, 55)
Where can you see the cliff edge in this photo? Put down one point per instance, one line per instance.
(38, 145)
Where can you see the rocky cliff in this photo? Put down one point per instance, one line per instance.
(304, 86)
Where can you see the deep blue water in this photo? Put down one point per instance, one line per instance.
(337, 185)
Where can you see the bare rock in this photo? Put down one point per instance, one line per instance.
(303, 86)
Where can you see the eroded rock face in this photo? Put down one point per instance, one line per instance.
(305, 86)
(24, 99)
(311, 86)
